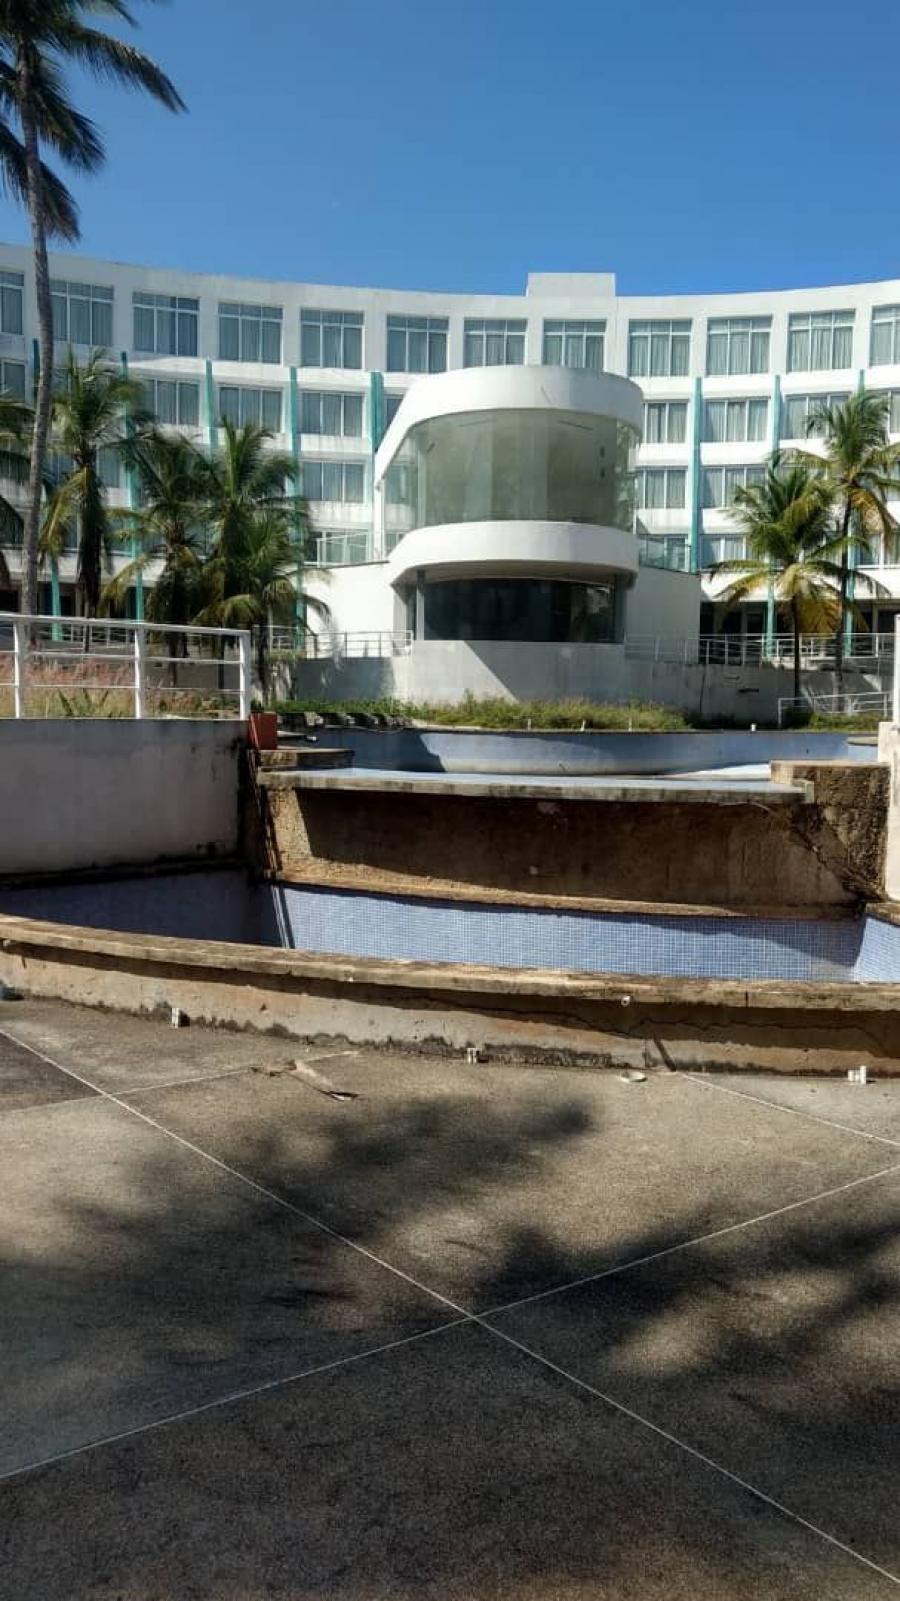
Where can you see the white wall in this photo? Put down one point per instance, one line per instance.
(81, 794)
(664, 603)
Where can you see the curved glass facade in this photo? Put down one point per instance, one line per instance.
(533, 610)
(499, 466)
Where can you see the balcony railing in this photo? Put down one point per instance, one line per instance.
(89, 667)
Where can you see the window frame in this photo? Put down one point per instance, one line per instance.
(244, 392)
(340, 466)
(734, 329)
(436, 333)
(574, 328)
(247, 316)
(660, 328)
(665, 406)
(816, 324)
(484, 328)
(665, 473)
(94, 296)
(328, 318)
(12, 284)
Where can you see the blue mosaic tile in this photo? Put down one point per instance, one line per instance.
(349, 924)
(879, 954)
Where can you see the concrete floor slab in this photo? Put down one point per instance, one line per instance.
(873, 1108)
(703, 788)
(119, 1052)
(449, 1470)
(27, 1081)
(773, 1350)
(492, 1183)
(139, 1279)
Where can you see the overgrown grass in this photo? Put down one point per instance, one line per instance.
(495, 712)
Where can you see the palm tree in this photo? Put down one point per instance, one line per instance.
(858, 464)
(171, 476)
(786, 524)
(37, 37)
(89, 415)
(15, 423)
(257, 525)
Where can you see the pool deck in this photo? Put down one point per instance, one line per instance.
(422, 1330)
(725, 787)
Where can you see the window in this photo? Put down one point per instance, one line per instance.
(728, 547)
(242, 406)
(173, 402)
(82, 313)
(574, 344)
(659, 349)
(546, 610)
(737, 344)
(165, 325)
(665, 422)
(818, 340)
(324, 413)
(891, 395)
(885, 339)
(12, 378)
(797, 409)
(661, 488)
(249, 333)
(720, 483)
(493, 342)
(331, 339)
(417, 344)
(12, 286)
(728, 420)
(392, 405)
(335, 480)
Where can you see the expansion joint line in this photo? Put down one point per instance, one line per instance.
(463, 1316)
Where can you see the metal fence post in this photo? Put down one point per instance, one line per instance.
(20, 652)
(140, 670)
(244, 684)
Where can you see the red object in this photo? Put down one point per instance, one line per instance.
(262, 730)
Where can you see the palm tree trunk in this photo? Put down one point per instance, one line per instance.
(44, 397)
(842, 609)
(795, 624)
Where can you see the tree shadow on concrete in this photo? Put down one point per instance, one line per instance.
(455, 1465)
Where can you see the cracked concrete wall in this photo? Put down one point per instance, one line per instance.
(847, 826)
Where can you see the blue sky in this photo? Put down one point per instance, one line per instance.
(695, 146)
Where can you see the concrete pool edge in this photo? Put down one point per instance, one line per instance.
(522, 1014)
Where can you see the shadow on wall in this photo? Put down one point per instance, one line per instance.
(361, 1482)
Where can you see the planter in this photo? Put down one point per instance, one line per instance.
(262, 730)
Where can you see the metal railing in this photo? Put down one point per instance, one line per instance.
(89, 667)
(846, 704)
(816, 650)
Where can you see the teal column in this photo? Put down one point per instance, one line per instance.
(293, 429)
(774, 440)
(851, 584)
(211, 420)
(694, 474)
(132, 491)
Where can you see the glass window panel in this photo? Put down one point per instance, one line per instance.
(229, 339)
(310, 412)
(230, 405)
(437, 351)
(736, 420)
(494, 350)
(102, 323)
(166, 401)
(715, 421)
(757, 417)
(675, 484)
(187, 333)
(144, 329)
(310, 345)
(396, 350)
(332, 480)
(271, 410)
(759, 351)
(250, 341)
(638, 352)
(515, 349)
(11, 309)
(271, 342)
(331, 345)
(353, 416)
(593, 352)
(108, 467)
(654, 424)
(353, 347)
(60, 317)
(677, 422)
(681, 355)
(165, 332)
(717, 353)
(553, 348)
(739, 350)
(189, 405)
(473, 350)
(843, 346)
(798, 350)
(14, 378)
(417, 350)
(895, 409)
(659, 354)
(312, 480)
(331, 414)
(79, 321)
(574, 348)
(354, 482)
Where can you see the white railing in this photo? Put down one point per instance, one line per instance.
(847, 704)
(742, 650)
(331, 645)
(90, 667)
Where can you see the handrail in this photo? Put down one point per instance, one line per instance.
(51, 664)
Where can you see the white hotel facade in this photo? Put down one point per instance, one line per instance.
(495, 502)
